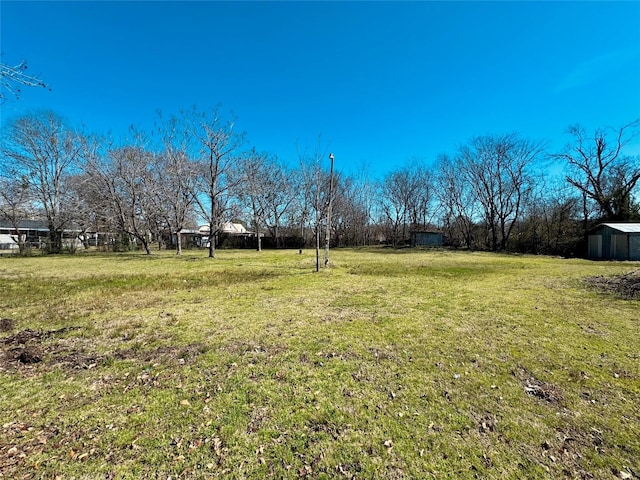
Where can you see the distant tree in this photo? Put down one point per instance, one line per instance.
(363, 198)
(407, 197)
(314, 193)
(422, 207)
(14, 78)
(280, 185)
(601, 172)
(352, 210)
(395, 191)
(561, 233)
(44, 151)
(255, 188)
(175, 180)
(123, 176)
(457, 200)
(216, 148)
(82, 202)
(15, 205)
(497, 168)
(550, 221)
(297, 215)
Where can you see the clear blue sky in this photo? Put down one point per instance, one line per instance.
(383, 83)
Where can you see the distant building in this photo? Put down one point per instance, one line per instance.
(615, 241)
(230, 228)
(230, 235)
(30, 232)
(426, 238)
(35, 234)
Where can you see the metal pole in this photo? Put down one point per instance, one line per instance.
(317, 221)
(328, 232)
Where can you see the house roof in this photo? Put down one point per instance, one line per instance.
(25, 225)
(37, 225)
(227, 227)
(623, 227)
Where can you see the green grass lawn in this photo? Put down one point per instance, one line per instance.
(391, 364)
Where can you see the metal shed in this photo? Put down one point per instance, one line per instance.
(426, 238)
(615, 241)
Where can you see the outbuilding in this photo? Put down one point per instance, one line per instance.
(426, 238)
(615, 241)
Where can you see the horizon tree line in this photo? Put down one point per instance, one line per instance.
(196, 168)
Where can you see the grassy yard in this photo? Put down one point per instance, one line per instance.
(391, 364)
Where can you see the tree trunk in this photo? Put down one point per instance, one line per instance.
(20, 241)
(179, 242)
(55, 240)
(212, 241)
(145, 244)
(258, 239)
(317, 247)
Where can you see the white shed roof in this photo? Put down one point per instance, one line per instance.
(624, 227)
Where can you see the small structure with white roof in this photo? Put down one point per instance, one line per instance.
(615, 241)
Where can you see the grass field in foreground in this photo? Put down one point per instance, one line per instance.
(391, 364)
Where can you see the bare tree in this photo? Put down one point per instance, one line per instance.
(407, 200)
(82, 200)
(601, 172)
(15, 77)
(393, 204)
(217, 145)
(124, 178)
(497, 168)
(314, 193)
(14, 206)
(353, 201)
(550, 222)
(422, 207)
(175, 179)
(44, 151)
(457, 200)
(280, 187)
(254, 189)
(363, 198)
(131, 185)
(298, 214)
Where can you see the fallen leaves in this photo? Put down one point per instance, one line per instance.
(389, 444)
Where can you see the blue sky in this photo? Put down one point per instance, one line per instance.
(382, 83)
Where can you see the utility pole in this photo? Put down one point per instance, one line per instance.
(328, 232)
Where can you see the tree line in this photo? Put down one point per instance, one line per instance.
(195, 168)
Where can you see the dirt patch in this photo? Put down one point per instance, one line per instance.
(532, 386)
(7, 324)
(626, 286)
(28, 349)
(35, 351)
(23, 337)
(27, 355)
